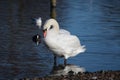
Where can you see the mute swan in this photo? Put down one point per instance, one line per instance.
(60, 41)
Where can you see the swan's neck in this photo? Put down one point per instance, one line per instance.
(55, 25)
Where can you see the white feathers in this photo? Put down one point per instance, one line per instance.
(60, 41)
(39, 22)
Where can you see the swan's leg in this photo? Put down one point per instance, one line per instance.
(55, 58)
(65, 61)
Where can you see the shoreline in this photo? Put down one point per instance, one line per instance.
(98, 75)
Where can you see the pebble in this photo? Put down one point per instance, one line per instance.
(99, 75)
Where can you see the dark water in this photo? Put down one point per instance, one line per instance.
(95, 22)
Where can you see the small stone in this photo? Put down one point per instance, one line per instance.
(94, 77)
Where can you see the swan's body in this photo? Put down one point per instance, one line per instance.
(60, 41)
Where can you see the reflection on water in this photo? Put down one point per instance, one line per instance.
(95, 22)
(53, 12)
(19, 55)
(65, 70)
(37, 39)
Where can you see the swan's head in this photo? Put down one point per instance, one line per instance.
(51, 27)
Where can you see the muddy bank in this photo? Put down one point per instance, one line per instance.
(99, 75)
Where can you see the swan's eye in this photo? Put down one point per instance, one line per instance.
(44, 30)
(51, 27)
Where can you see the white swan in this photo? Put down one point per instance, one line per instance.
(60, 41)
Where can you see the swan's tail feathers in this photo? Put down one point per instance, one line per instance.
(79, 50)
(83, 48)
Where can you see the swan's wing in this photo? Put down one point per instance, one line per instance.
(63, 44)
(63, 31)
(68, 41)
(69, 45)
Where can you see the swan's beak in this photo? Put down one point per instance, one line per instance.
(44, 33)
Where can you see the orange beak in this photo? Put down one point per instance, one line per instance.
(44, 33)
